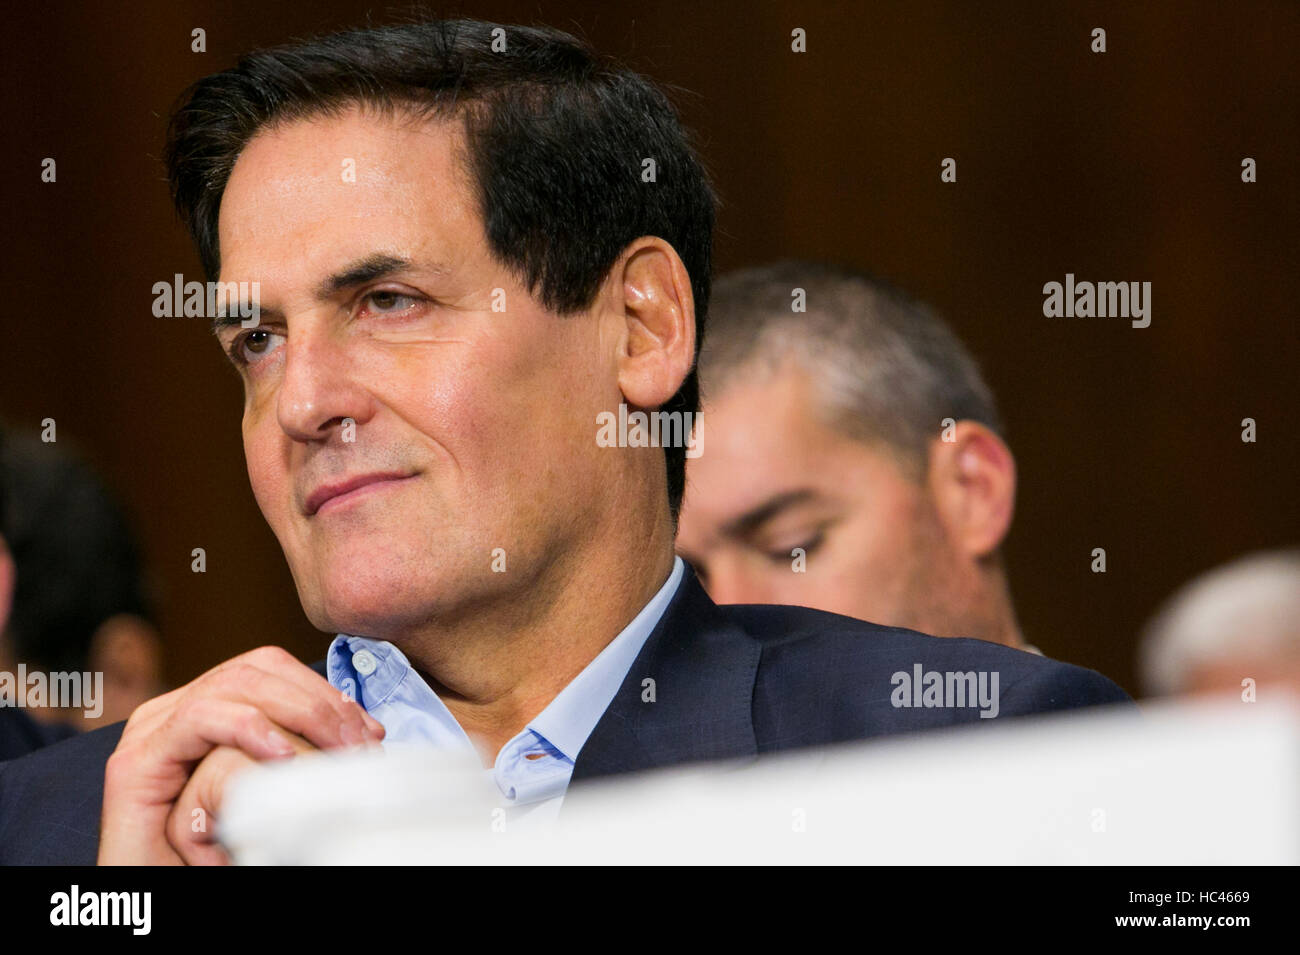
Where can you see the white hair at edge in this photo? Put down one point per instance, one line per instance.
(1249, 607)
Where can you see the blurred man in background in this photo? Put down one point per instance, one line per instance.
(19, 732)
(71, 597)
(852, 458)
(1234, 629)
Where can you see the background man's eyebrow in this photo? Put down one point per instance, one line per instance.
(742, 525)
(362, 271)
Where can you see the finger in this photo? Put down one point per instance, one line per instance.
(320, 716)
(202, 723)
(192, 824)
(147, 772)
(279, 661)
(152, 714)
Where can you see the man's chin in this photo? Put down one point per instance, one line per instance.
(394, 586)
(360, 602)
(361, 621)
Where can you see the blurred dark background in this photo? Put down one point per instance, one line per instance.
(1122, 166)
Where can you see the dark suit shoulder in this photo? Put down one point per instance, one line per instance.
(20, 734)
(50, 801)
(826, 678)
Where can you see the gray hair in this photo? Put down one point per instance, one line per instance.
(889, 368)
(1247, 608)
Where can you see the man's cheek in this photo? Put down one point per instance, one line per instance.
(268, 484)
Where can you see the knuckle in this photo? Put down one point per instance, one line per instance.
(323, 713)
(248, 721)
(270, 655)
(244, 672)
(119, 758)
(139, 715)
(190, 708)
(120, 767)
(238, 677)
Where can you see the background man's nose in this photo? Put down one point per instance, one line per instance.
(728, 583)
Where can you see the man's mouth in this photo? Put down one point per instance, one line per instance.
(334, 495)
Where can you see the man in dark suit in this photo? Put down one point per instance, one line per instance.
(731, 682)
(472, 249)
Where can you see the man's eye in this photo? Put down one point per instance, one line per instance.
(783, 555)
(387, 303)
(253, 346)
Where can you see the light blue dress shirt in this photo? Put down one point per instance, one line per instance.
(378, 676)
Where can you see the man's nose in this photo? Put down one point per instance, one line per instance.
(319, 391)
(728, 582)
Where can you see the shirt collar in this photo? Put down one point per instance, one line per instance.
(567, 720)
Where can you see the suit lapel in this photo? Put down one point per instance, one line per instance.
(699, 705)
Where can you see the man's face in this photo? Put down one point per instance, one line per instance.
(773, 477)
(401, 419)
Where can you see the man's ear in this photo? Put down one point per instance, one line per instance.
(972, 481)
(652, 309)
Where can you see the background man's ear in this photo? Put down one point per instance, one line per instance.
(972, 480)
(650, 301)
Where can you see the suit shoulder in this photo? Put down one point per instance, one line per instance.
(50, 801)
(20, 734)
(819, 640)
(824, 677)
(808, 634)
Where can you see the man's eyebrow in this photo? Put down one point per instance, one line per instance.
(745, 523)
(369, 269)
(356, 273)
(235, 316)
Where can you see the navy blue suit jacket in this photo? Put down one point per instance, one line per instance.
(728, 682)
(20, 734)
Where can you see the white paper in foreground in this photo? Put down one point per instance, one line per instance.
(1210, 783)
